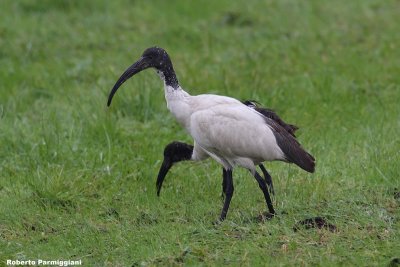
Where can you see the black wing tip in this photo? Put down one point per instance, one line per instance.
(270, 113)
(312, 168)
(293, 127)
(251, 103)
(309, 166)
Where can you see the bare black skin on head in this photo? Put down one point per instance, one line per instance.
(153, 57)
(173, 152)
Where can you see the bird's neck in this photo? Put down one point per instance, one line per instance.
(177, 103)
(167, 74)
(178, 151)
(173, 94)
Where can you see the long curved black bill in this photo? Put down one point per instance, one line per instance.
(166, 165)
(136, 67)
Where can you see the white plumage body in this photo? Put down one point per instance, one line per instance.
(225, 129)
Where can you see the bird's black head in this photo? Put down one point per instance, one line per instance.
(156, 57)
(178, 151)
(173, 152)
(153, 57)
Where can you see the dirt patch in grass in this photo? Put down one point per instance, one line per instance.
(263, 217)
(316, 222)
(145, 218)
(396, 194)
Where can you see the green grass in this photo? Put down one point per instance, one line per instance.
(77, 180)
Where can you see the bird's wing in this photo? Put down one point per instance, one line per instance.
(234, 130)
(269, 113)
(291, 147)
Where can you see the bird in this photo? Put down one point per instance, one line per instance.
(223, 128)
(178, 151)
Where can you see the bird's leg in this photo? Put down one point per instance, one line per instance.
(229, 192)
(223, 183)
(264, 188)
(268, 179)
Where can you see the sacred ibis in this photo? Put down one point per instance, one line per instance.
(222, 127)
(177, 151)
